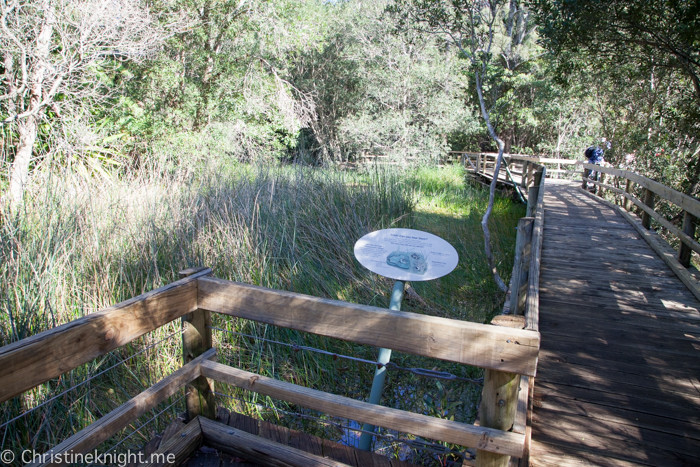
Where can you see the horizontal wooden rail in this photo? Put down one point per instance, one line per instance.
(691, 242)
(481, 345)
(266, 452)
(533, 292)
(37, 359)
(178, 447)
(685, 202)
(486, 439)
(543, 160)
(690, 210)
(95, 434)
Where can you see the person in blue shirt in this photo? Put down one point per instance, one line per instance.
(595, 155)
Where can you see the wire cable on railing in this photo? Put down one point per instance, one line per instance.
(415, 444)
(143, 425)
(89, 379)
(442, 375)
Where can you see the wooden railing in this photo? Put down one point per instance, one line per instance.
(651, 190)
(521, 309)
(515, 164)
(505, 353)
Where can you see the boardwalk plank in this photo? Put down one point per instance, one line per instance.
(690, 448)
(580, 376)
(617, 381)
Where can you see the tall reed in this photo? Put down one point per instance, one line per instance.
(79, 245)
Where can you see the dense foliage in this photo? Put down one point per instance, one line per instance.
(325, 82)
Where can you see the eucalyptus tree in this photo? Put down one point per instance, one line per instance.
(490, 35)
(54, 56)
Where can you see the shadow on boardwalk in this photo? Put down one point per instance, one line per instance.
(617, 382)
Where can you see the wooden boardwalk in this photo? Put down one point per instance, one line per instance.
(618, 376)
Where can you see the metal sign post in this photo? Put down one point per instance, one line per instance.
(404, 255)
(380, 373)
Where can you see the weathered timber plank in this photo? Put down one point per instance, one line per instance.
(618, 449)
(611, 274)
(678, 290)
(628, 337)
(616, 299)
(673, 410)
(547, 455)
(145, 452)
(686, 447)
(684, 201)
(647, 357)
(276, 433)
(575, 237)
(369, 459)
(101, 430)
(658, 326)
(175, 450)
(174, 426)
(618, 415)
(222, 415)
(556, 263)
(520, 422)
(243, 423)
(575, 358)
(589, 252)
(417, 424)
(307, 443)
(264, 452)
(532, 313)
(486, 346)
(593, 257)
(662, 309)
(648, 212)
(649, 385)
(663, 250)
(339, 452)
(37, 359)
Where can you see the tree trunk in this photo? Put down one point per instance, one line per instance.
(28, 126)
(20, 168)
(492, 192)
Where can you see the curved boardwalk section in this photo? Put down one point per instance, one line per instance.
(617, 382)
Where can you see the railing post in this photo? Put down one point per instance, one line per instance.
(684, 251)
(649, 201)
(523, 250)
(628, 189)
(478, 163)
(538, 177)
(523, 174)
(584, 183)
(601, 179)
(532, 197)
(196, 339)
(499, 401)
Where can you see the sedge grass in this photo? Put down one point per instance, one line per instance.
(77, 246)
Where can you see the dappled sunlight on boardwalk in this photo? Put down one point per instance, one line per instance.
(617, 381)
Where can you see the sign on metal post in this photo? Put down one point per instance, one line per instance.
(404, 255)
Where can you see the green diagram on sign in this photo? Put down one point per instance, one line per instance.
(408, 261)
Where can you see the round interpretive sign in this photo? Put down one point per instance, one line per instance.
(406, 254)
